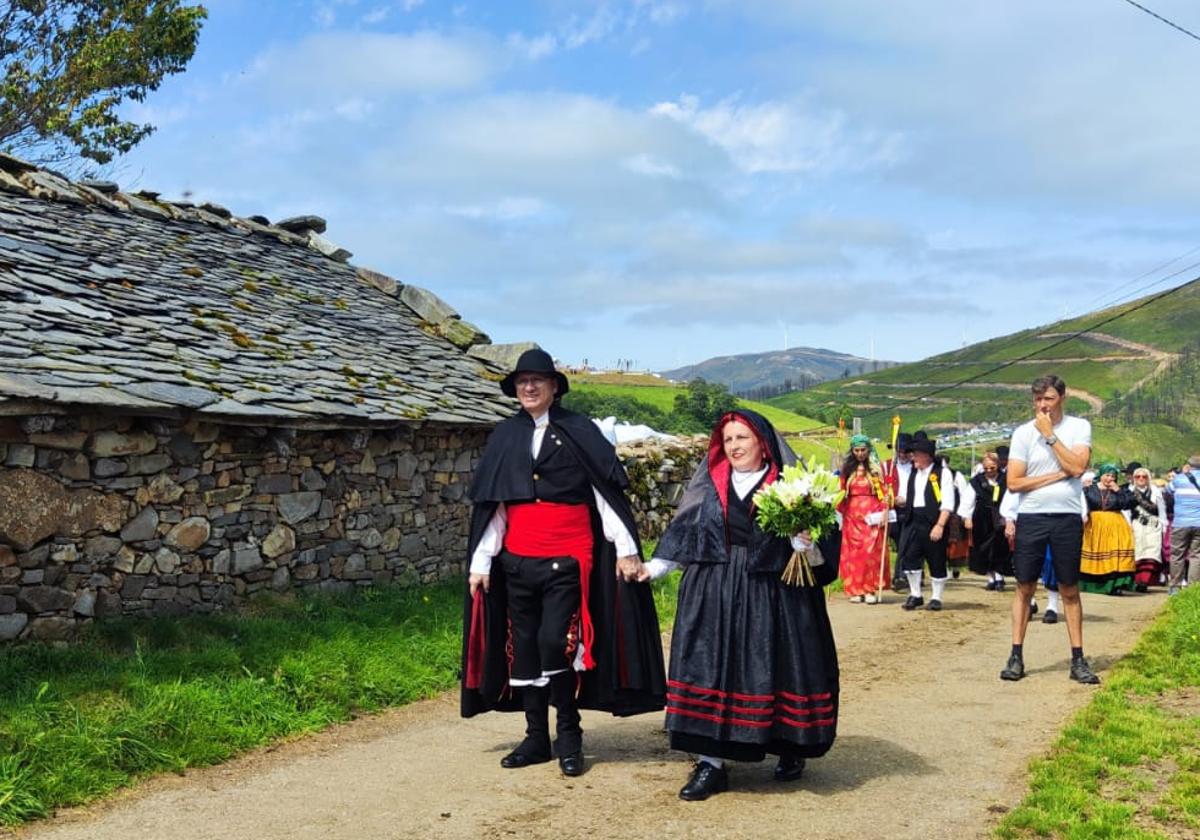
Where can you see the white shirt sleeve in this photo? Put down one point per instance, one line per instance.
(490, 543)
(614, 529)
(659, 567)
(948, 490)
(1162, 504)
(966, 505)
(1009, 505)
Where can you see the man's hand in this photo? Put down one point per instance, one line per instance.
(1043, 423)
(935, 533)
(477, 581)
(630, 568)
(968, 524)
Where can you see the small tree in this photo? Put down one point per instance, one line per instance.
(67, 65)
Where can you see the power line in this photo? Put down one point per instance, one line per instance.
(1187, 32)
(1070, 337)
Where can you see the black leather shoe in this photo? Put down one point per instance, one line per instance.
(935, 605)
(991, 586)
(1014, 670)
(789, 769)
(955, 574)
(704, 782)
(527, 753)
(1081, 672)
(571, 764)
(1032, 610)
(912, 602)
(999, 586)
(899, 585)
(1049, 617)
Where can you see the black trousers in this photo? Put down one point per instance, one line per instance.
(917, 549)
(543, 613)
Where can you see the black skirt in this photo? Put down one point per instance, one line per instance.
(753, 666)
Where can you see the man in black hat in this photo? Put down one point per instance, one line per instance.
(554, 615)
(928, 503)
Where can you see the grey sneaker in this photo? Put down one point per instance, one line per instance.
(1081, 672)
(1174, 590)
(1014, 670)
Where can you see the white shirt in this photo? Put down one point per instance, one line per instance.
(1030, 448)
(966, 496)
(945, 485)
(492, 541)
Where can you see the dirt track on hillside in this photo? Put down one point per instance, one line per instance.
(931, 745)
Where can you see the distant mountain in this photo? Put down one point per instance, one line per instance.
(760, 375)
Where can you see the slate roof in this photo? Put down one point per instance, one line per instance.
(128, 303)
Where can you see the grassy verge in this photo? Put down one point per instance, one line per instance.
(1128, 766)
(142, 697)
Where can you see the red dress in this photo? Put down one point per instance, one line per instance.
(862, 544)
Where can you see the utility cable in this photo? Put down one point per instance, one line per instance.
(1187, 32)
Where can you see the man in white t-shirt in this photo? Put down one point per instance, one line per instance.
(1046, 458)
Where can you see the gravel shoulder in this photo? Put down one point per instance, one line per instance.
(931, 745)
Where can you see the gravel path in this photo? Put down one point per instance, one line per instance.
(931, 745)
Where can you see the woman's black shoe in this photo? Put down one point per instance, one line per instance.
(571, 765)
(527, 753)
(789, 769)
(704, 782)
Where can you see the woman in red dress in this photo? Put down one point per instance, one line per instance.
(869, 497)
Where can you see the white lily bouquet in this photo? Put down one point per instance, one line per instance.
(801, 499)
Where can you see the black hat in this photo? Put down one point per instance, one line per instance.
(1131, 466)
(922, 443)
(1002, 450)
(903, 442)
(534, 361)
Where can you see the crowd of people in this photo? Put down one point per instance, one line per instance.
(558, 611)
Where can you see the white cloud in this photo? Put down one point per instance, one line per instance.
(376, 15)
(645, 164)
(507, 209)
(338, 64)
(782, 137)
(580, 32)
(533, 48)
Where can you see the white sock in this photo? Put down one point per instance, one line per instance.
(997, 576)
(715, 762)
(939, 586)
(1032, 601)
(1054, 603)
(914, 583)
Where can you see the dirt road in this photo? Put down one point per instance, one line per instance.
(931, 745)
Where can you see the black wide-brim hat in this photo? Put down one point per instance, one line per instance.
(922, 443)
(534, 361)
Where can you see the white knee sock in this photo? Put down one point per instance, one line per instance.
(1053, 604)
(914, 583)
(939, 586)
(715, 762)
(997, 576)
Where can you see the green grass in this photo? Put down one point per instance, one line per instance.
(663, 398)
(145, 696)
(1155, 445)
(1128, 766)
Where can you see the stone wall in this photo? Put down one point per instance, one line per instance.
(101, 516)
(659, 471)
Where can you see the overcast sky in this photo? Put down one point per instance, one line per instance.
(668, 181)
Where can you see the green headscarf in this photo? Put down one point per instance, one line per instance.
(860, 440)
(1107, 468)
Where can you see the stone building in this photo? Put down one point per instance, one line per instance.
(195, 406)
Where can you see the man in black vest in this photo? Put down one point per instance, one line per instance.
(929, 501)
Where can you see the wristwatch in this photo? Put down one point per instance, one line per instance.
(1050, 441)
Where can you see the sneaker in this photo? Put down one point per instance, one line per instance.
(1081, 672)
(912, 602)
(1173, 591)
(1049, 617)
(856, 599)
(870, 598)
(1014, 670)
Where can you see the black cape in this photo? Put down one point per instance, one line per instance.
(629, 677)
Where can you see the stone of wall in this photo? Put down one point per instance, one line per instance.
(100, 516)
(659, 471)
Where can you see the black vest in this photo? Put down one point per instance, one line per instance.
(558, 475)
(933, 507)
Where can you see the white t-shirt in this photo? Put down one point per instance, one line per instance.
(1028, 446)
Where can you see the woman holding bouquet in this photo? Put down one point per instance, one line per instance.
(753, 666)
(869, 497)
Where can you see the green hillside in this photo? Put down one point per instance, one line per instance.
(1137, 378)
